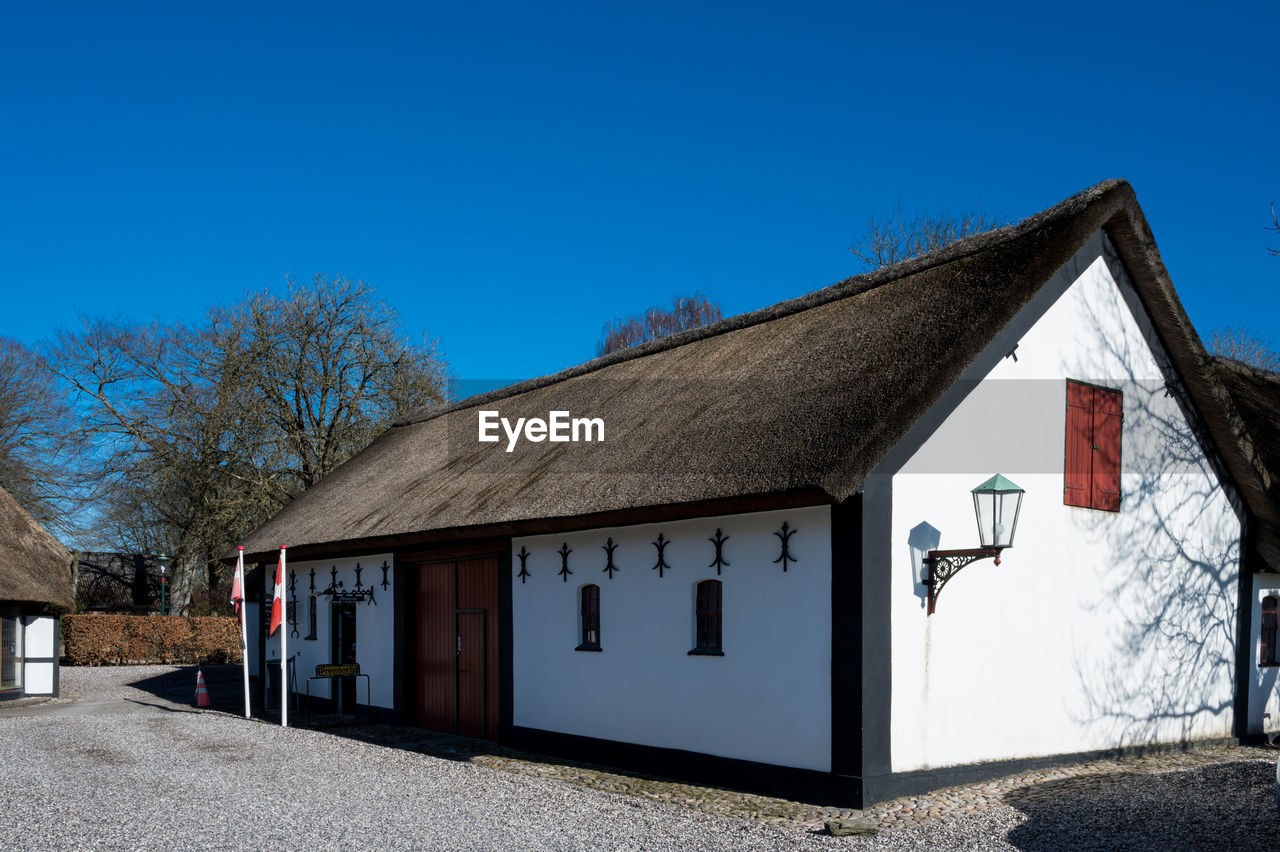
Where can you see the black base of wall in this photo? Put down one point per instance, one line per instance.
(805, 785)
(882, 787)
(362, 712)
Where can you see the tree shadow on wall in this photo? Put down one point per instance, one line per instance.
(1224, 806)
(1165, 670)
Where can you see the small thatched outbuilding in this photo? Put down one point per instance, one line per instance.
(35, 587)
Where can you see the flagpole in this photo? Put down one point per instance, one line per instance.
(284, 651)
(244, 630)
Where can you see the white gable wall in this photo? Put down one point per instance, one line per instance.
(1099, 629)
(767, 699)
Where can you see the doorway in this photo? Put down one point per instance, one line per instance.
(342, 649)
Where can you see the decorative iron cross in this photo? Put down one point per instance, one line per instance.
(609, 548)
(293, 603)
(718, 541)
(785, 537)
(564, 552)
(524, 571)
(661, 544)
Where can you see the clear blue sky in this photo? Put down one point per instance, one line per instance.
(510, 176)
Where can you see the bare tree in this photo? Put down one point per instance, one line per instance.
(199, 434)
(896, 237)
(1246, 347)
(35, 436)
(686, 312)
(334, 369)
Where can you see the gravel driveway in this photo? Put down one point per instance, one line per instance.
(113, 766)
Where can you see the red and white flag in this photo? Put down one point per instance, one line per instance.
(277, 600)
(237, 584)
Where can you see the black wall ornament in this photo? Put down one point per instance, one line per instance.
(609, 548)
(293, 603)
(357, 594)
(662, 565)
(784, 536)
(524, 570)
(313, 579)
(359, 588)
(719, 541)
(385, 569)
(564, 552)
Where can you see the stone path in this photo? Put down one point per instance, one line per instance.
(1020, 789)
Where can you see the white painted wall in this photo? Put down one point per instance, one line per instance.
(375, 644)
(40, 633)
(1264, 683)
(767, 699)
(1099, 629)
(39, 641)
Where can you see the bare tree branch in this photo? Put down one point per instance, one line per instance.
(1275, 226)
(896, 237)
(686, 312)
(1246, 347)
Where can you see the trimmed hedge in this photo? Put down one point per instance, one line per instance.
(124, 640)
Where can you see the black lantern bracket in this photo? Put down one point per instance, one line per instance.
(997, 503)
(942, 565)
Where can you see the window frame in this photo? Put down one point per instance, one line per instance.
(18, 633)
(1094, 498)
(708, 621)
(1267, 656)
(588, 617)
(311, 618)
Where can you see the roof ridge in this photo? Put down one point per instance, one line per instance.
(843, 289)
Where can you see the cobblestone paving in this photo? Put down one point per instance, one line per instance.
(1024, 788)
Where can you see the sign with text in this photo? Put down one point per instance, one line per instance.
(337, 669)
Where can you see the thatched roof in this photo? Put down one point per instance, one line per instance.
(34, 567)
(1256, 396)
(794, 404)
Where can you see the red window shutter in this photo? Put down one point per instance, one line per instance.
(1080, 404)
(1108, 415)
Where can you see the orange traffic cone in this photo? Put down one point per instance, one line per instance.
(202, 691)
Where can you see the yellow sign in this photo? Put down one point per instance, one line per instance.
(338, 670)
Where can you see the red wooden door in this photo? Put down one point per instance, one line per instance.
(471, 673)
(434, 658)
(456, 646)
